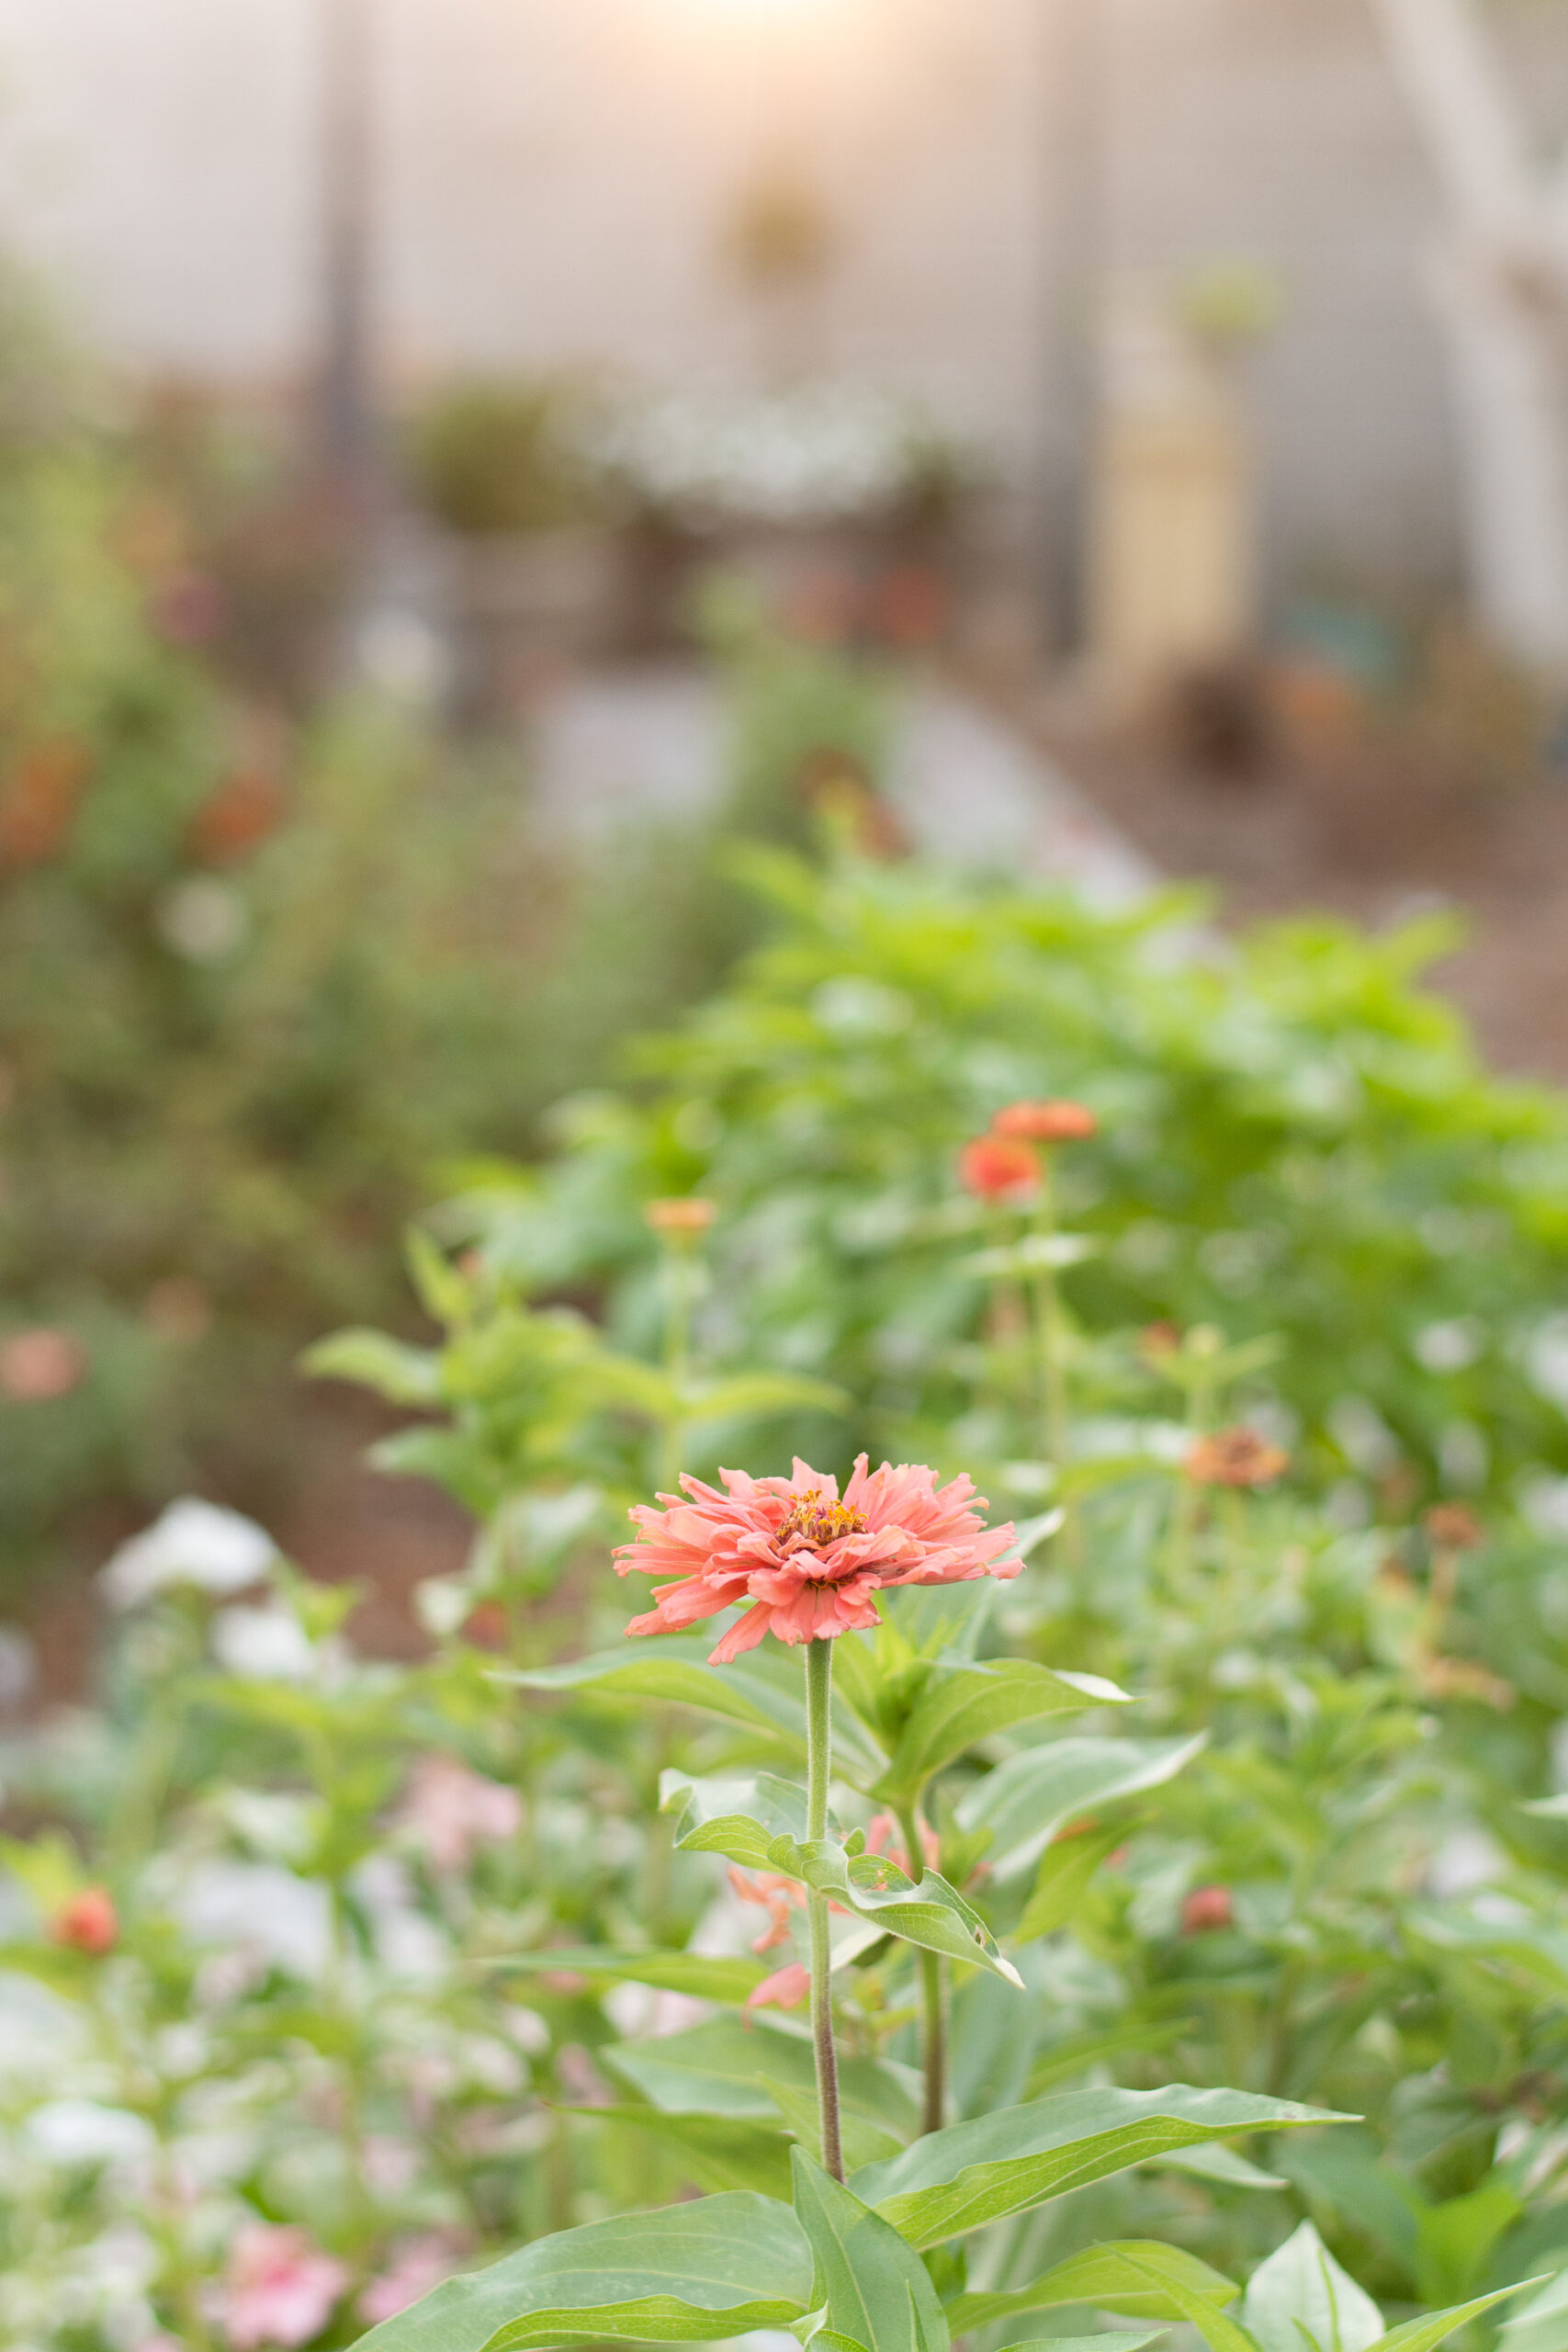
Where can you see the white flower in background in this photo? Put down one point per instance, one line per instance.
(258, 1908)
(80, 2132)
(813, 453)
(267, 1644)
(201, 918)
(194, 1543)
(1546, 1360)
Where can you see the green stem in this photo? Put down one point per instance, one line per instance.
(818, 1759)
(932, 1994)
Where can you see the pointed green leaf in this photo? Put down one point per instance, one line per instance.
(1218, 2330)
(973, 2172)
(1423, 2335)
(965, 1702)
(1103, 2275)
(729, 2068)
(925, 1911)
(711, 2268)
(1025, 1801)
(444, 1291)
(752, 1396)
(1065, 1872)
(862, 2142)
(677, 1671)
(1302, 2281)
(373, 1360)
(1216, 2162)
(866, 2281)
(722, 2150)
(1112, 2340)
(1542, 2325)
(706, 1978)
(741, 1818)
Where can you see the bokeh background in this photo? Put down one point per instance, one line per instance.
(465, 462)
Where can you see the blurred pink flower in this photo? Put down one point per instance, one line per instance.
(884, 1837)
(777, 1895)
(451, 1810)
(280, 2287)
(808, 1562)
(784, 1989)
(417, 2266)
(38, 1364)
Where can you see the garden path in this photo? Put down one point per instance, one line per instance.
(626, 746)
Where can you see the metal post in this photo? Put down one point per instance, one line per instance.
(346, 424)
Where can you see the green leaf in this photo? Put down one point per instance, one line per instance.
(1302, 2281)
(965, 1702)
(1025, 1801)
(677, 1672)
(1542, 2325)
(404, 1376)
(752, 1396)
(1218, 2330)
(705, 1977)
(925, 1911)
(1422, 2334)
(1103, 2275)
(714, 2267)
(741, 1818)
(1112, 2340)
(868, 2284)
(723, 2152)
(973, 2172)
(1066, 1871)
(731, 2069)
(862, 2142)
(1454, 2240)
(442, 1292)
(1216, 2162)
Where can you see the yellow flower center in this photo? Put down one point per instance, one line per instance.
(817, 1521)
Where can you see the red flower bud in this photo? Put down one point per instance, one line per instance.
(89, 1922)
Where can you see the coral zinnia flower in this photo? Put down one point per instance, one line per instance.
(998, 1168)
(1051, 1122)
(807, 1562)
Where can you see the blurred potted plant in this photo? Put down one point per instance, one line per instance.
(505, 465)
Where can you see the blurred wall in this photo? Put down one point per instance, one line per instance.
(555, 176)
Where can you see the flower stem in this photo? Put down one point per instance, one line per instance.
(818, 1759)
(932, 1994)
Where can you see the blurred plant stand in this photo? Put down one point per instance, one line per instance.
(525, 604)
(1171, 570)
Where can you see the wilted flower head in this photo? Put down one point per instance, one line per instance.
(1235, 1457)
(88, 1922)
(279, 2289)
(686, 1215)
(808, 1562)
(451, 1810)
(1049, 1122)
(998, 1168)
(1453, 1527)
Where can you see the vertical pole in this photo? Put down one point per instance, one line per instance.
(345, 421)
(1078, 63)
